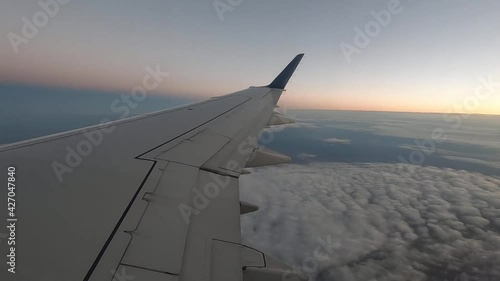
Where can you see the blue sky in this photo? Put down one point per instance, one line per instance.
(429, 56)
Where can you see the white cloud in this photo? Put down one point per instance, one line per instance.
(388, 222)
(310, 125)
(475, 161)
(336, 140)
(307, 125)
(306, 155)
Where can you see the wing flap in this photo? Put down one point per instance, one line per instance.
(200, 148)
(109, 176)
(125, 272)
(107, 199)
(157, 243)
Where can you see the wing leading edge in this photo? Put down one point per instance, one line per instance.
(155, 199)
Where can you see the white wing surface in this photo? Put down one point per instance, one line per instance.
(153, 197)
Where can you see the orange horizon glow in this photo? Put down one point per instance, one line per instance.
(293, 100)
(387, 104)
(107, 49)
(114, 75)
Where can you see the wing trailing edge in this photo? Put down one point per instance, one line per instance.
(279, 119)
(265, 157)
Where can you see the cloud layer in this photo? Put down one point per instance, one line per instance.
(336, 140)
(383, 221)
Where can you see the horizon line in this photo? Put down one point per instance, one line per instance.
(193, 97)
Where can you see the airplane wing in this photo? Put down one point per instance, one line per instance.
(153, 197)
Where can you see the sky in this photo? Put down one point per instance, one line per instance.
(416, 56)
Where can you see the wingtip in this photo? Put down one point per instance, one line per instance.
(282, 79)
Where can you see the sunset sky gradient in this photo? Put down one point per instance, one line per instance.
(429, 58)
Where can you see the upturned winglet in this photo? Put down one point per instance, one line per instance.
(282, 79)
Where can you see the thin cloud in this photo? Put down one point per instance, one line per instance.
(336, 140)
(306, 156)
